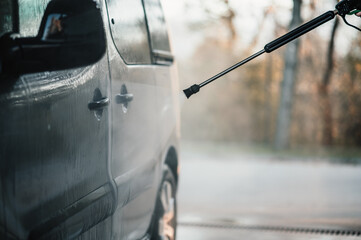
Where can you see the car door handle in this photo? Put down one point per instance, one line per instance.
(124, 98)
(99, 104)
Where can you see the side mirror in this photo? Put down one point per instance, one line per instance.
(71, 35)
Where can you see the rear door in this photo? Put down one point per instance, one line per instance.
(164, 73)
(134, 116)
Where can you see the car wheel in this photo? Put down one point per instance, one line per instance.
(165, 221)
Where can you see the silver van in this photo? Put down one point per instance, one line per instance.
(89, 120)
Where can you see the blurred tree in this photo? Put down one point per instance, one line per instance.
(215, 13)
(352, 100)
(287, 87)
(228, 17)
(268, 99)
(323, 89)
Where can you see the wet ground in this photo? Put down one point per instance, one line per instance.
(237, 195)
(234, 234)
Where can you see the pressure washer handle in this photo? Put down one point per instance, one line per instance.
(347, 6)
(279, 42)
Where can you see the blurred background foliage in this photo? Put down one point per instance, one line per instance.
(245, 105)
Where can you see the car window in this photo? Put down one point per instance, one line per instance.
(6, 17)
(157, 25)
(129, 30)
(30, 15)
(158, 33)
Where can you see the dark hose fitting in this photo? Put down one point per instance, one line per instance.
(192, 90)
(346, 6)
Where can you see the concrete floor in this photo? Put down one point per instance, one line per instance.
(243, 190)
(196, 233)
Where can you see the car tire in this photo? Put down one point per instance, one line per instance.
(165, 213)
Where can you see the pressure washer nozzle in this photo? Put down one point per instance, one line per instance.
(192, 90)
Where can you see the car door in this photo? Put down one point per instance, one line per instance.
(54, 178)
(134, 117)
(165, 75)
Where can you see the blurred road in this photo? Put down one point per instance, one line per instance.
(243, 196)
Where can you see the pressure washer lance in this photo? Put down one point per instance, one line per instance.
(342, 8)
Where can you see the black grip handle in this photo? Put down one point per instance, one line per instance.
(346, 6)
(288, 37)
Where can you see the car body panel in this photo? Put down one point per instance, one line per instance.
(46, 133)
(69, 172)
(135, 137)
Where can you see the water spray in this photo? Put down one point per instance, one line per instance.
(343, 8)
